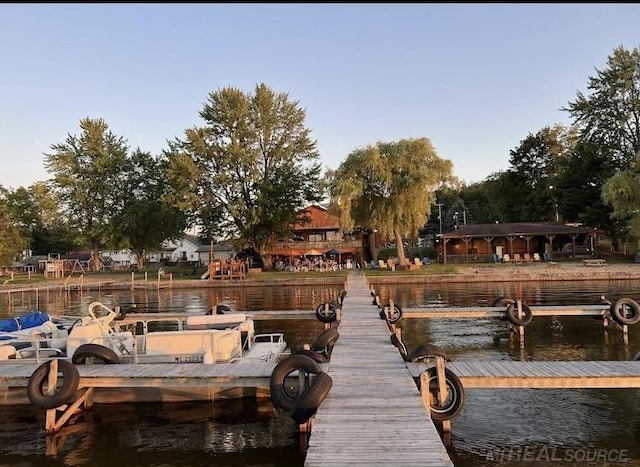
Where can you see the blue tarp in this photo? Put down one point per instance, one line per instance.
(28, 320)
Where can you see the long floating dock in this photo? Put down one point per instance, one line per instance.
(144, 382)
(499, 311)
(540, 375)
(373, 414)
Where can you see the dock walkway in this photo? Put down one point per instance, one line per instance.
(543, 375)
(374, 414)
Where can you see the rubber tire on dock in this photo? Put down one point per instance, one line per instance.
(503, 301)
(280, 396)
(455, 401)
(94, 351)
(307, 404)
(426, 351)
(400, 346)
(326, 340)
(312, 354)
(625, 311)
(62, 394)
(327, 317)
(512, 314)
(393, 317)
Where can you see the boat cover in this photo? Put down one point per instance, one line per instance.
(28, 320)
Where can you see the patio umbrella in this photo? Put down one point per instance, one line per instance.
(313, 253)
(335, 251)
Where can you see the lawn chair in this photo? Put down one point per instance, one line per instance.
(506, 258)
(517, 258)
(527, 258)
(536, 256)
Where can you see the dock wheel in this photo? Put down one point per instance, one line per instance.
(43, 397)
(307, 404)
(326, 340)
(512, 314)
(392, 316)
(626, 311)
(452, 405)
(284, 387)
(503, 301)
(94, 353)
(327, 314)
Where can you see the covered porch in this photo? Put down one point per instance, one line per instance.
(519, 242)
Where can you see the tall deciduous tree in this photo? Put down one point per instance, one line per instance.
(622, 191)
(11, 240)
(88, 176)
(609, 115)
(246, 174)
(39, 219)
(146, 219)
(390, 187)
(534, 167)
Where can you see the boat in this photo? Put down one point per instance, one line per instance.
(107, 336)
(224, 346)
(34, 334)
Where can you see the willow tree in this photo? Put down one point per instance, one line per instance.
(390, 187)
(249, 171)
(88, 176)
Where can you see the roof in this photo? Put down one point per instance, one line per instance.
(516, 228)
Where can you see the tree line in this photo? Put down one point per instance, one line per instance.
(246, 172)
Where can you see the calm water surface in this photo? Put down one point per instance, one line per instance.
(496, 427)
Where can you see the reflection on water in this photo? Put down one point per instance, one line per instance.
(553, 427)
(242, 432)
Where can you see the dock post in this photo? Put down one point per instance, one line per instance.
(443, 393)
(427, 397)
(53, 424)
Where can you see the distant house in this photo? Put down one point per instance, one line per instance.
(220, 251)
(185, 251)
(490, 242)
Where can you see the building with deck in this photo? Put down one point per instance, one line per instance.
(520, 240)
(322, 235)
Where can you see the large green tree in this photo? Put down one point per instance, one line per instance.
(89, 173)
(146, 219)
(390, 187)
(248, 172)
(622, 192)
(609, 115)
(40, 220)
(534, 167)
(11, 240)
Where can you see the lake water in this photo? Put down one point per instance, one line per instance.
(544, 427)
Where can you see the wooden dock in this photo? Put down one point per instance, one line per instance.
(542, 375)
(458, 312)
(167, 382)
(374, 414)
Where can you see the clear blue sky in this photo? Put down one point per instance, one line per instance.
(474, 78)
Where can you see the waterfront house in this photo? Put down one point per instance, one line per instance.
(502, 242)
(321, 235)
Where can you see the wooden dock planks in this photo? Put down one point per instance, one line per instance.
(499, 312)
(373, 415)
(556, 374)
